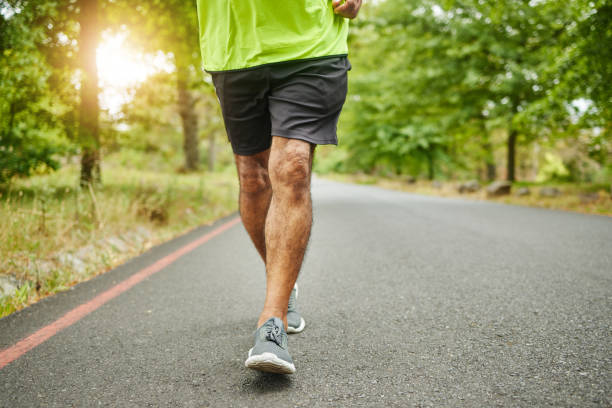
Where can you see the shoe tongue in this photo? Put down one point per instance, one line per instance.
(273, 321)
(277, 322)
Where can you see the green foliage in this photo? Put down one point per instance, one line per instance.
(32, 133)
(435, 84)
(9, 304)
(151, 118)
(552, 169)
(436, 89)
(585, 70)
(40, 77)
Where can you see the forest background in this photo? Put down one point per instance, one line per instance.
(111, 139)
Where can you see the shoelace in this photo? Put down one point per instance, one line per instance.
(274, 334)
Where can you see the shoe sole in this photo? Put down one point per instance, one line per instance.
(293, 330)
(269, 363)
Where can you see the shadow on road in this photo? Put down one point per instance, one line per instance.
(263, 383)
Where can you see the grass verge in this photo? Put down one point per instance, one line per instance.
(583, 198)
(54, 235)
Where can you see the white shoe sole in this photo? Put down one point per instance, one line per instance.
(292, 330)
(269, 363)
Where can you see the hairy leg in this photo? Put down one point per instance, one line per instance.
(255, 196)
(288, 222)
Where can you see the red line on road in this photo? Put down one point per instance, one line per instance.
(12, 353)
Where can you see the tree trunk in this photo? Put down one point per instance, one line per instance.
(511, 155)
(536, 161)
(489, 160)
(211, 151)
(89, 109)
(430, 165)
(12, 113)
(186, 104)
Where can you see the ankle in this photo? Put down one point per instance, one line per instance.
(267, 314)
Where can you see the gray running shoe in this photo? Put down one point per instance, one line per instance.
(295, 322)
(270, 351)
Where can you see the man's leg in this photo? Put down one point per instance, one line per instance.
(288, 222)
(255, 196)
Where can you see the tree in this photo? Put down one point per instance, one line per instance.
(212, 125)
(89, 108)
(401, 112)
(32, 133)
(186, 109)
(428, 78)
(171, 26)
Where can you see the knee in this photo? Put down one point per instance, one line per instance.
(291, 170)
(253, 179)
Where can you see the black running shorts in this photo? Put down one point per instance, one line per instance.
(295, 99)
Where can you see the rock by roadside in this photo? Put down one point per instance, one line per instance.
(499, 188)
(523, 191)
(549, 192)
(8, 285)
(469, 187)
(586, 198)
(68, 260)
(117, 244)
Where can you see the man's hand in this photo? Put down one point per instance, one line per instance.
(346, 8)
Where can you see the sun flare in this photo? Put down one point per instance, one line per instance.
(120, 68)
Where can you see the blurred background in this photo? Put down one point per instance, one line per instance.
(511, 89)
(111, 139)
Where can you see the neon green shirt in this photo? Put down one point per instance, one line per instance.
(238, 34)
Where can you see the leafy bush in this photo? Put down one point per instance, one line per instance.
(553, 169)
(32, 132)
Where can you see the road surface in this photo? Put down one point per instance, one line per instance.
(409, 301)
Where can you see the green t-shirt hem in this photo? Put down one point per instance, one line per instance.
(214, 71)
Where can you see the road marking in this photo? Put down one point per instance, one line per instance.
(12, 353)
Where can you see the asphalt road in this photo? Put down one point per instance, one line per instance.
(409, 301)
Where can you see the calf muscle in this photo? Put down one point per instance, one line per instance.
(255, 196)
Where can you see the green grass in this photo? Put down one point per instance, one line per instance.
(47, 215)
